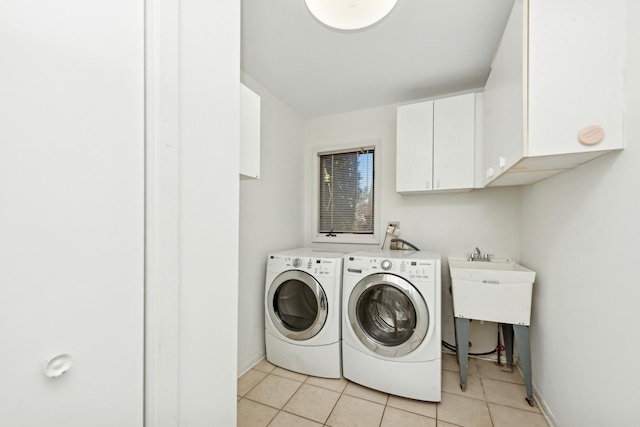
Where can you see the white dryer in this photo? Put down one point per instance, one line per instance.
(391, 338)
(302, 311)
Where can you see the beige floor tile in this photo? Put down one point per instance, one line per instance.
(463, 411)
(450, 363)
(445, 424)
(504, 416)
(395, 417)
(289, 374)
(451, 384)
(447, 352)
(428, 409)
(285, 419)
(254, 414)
(249, 381)
(312, 402)
(509, 394)
(329, 383)
(354, 412)
(265, 366)
(472, 369)
(490, 370)
(356, 390)
(274, 391)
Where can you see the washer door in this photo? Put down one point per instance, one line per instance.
(297, 305)
(388, 314)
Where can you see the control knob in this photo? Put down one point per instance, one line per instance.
(297, 262)
(386, 265)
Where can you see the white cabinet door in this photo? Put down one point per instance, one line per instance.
(249, 133)
(576, 74)
(453, 146)
(435, 145)
(72, 215)
(414, 147)
(558, 72)
(504, 99)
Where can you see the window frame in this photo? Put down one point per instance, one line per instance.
(353, 238)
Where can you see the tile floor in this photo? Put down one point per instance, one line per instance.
(274, 397)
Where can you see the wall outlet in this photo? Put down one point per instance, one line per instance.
(393, 227)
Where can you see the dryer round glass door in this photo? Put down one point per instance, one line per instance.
(297, 305)
(388, 314)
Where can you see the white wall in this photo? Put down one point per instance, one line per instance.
(209, 198)
(270, 216)
(452, 224)
(72, 212)
(581, 232)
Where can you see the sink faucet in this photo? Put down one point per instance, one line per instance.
(476, 255)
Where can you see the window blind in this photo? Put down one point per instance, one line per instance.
(346, 192)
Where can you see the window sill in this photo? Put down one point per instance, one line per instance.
(353, 239)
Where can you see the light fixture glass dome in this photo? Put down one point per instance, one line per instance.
(350, 14)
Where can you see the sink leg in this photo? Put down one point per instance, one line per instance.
(524, 349)
(507, 335)
(462, 349)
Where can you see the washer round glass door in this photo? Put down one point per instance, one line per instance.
(388, 314)
(297, 305)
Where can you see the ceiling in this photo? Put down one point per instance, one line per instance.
(422, 49)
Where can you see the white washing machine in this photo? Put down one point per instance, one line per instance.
(391, 338)
(302, 311)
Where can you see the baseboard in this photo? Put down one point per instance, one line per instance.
(544, 408)
(253, 362)
(541, 403)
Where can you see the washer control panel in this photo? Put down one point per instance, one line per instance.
(408, 268)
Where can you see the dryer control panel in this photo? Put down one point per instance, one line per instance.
(318, 267)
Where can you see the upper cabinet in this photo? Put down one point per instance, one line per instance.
(435, 145)
(249, 133)
(554, 96)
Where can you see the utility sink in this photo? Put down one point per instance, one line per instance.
(501, 270)
(497, 291)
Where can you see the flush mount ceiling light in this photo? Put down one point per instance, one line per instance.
(350, 14)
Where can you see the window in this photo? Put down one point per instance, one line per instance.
(346, 200)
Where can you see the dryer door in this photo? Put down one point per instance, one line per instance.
(388, 314)
(297, 305)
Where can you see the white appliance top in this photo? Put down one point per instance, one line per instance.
(309, 253)
(398, 255)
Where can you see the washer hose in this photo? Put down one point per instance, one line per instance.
(412, 246)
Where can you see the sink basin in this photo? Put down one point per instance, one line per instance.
(496, 290)
(500, 270)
